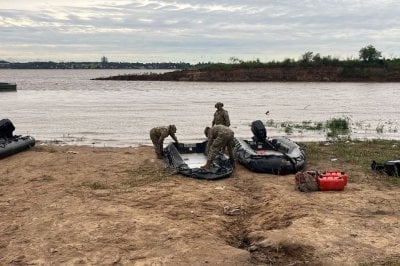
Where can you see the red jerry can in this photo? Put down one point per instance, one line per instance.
(332, 180)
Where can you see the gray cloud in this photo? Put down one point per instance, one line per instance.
(195, 31)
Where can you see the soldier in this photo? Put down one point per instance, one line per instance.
(221, 116)
(157, 136)
(219, 138)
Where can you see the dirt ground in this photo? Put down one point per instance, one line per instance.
(121, 206)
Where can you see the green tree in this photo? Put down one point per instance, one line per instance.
(369, 53)
(307, 57)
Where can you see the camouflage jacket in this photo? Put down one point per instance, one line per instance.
(224, 132)
(161, 133)
(221, 117)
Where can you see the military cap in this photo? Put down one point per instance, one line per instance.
(172, 128)
(219, 104)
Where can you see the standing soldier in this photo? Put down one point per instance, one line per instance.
(157, 136)
(221, 116)
(219, 138)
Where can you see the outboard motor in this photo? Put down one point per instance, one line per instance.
(259, 131)
(6, 129)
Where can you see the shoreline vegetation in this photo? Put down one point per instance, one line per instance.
(369, 67)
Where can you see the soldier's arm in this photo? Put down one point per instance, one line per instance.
(174, 138)
(228, 122)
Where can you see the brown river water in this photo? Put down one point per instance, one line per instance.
(67, 106)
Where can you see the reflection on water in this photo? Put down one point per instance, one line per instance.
(66, 105)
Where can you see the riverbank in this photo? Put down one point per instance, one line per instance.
(85, 205)
(272, 74)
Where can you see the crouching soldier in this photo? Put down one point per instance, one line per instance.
(219, 138)
(157, 136)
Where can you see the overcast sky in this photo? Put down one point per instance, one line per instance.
(195, 31)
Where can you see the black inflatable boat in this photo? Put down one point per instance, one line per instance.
(391, 168)
(187, 160)
(11, 144)
(276, 156)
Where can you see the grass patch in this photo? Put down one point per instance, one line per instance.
(389, 261)
(337, 126)
(304, 125)
(352, 156)
(146, 174)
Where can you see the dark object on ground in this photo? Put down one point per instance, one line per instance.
(276, 156)
(187, 159)
(307, 181)
(10, 146)
(332, 180)
(6, 128)
(391, 168)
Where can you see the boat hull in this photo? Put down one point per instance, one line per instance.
(188, 158)
(8, 86)
(15, 145)
(278, 156)
(391, 167)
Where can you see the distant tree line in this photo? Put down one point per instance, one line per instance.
(104, 64)
(368, 57)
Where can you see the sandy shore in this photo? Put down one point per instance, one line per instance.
(122, 206)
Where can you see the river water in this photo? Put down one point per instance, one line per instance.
(67, 106)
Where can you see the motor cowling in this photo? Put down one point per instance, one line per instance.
(6, 128)
(259, 130)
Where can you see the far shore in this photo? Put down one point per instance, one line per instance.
(271, 74)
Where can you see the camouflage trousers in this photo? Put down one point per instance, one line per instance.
(158, 148)
(219, 144)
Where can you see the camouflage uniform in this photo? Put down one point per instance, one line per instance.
(219, 137)
(157, 136)
(221, 117)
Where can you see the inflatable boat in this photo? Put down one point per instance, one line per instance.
(11, 144)
(275, 156)
(8, 86)
(15, 144)
(187, 159)
(391, 168)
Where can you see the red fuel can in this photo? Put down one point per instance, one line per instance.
(332, 180)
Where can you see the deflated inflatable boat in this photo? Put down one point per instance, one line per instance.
(276, 156)
(187, 160)
(10, 144)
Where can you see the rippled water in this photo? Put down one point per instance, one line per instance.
(66, 105)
